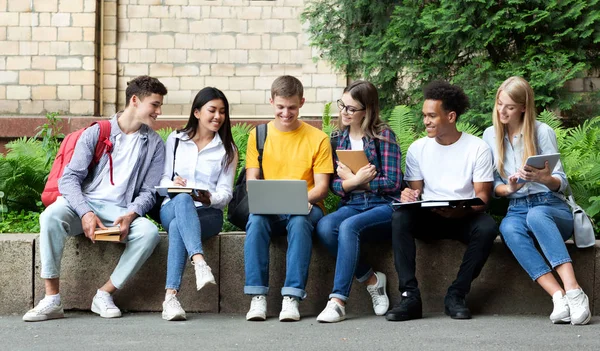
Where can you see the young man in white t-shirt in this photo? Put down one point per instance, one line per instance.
(445, 165)
(113, 192)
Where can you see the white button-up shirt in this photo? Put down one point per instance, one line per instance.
(203, 169)
(513, 158)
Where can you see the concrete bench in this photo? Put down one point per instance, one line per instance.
(503, 287)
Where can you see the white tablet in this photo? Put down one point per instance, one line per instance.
(538, 161)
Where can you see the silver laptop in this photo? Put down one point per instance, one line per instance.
(277, 196)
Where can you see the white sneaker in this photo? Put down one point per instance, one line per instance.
(172, 310)
(561, 313)
(381, 302)
(579, 306)
(333, 312)
(289, 310)
(45, 309)
(104, 305)
(203, 274)
(258, 309)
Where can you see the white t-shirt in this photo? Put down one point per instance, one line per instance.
(449, 171)
(124, 155)
(356, 144)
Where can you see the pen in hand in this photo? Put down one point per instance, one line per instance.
(183, 181)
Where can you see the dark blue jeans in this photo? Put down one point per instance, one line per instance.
(362, 218)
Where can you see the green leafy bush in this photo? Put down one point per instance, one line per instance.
(401, 45)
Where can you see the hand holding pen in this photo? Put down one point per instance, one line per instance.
(179, 181)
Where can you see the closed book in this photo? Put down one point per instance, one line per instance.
(108, 234)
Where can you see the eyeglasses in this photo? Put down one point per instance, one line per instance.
(349, 109)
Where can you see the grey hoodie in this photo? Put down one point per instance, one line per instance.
(140, 196)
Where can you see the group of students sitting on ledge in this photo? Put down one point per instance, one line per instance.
(447, 164)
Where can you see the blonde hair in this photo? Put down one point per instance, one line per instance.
(366, 94)
(519, 90)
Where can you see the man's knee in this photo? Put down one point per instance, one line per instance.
(146, 231)
(487, 229)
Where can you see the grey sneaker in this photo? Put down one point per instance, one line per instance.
(45, 310)
(104, 305)
(289, 310)
(381, 302)
(579, 307)
(561, 313)
(172, 310)
(203, 274)
(258, 309)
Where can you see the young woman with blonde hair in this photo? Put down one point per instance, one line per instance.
(365, 212)
(537, 211)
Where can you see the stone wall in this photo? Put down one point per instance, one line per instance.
(57, 56)
(47, 60)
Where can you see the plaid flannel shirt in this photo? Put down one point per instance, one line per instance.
(389, 174)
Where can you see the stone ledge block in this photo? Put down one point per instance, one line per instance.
(503, 286)
(16, 273)
(87, 266)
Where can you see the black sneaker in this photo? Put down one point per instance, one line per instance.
(410, 307)
(456, 307)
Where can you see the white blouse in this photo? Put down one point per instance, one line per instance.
(203, 169)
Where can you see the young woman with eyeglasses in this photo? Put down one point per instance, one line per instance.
(365, 211)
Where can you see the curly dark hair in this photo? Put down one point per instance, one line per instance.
(452, 96)
(143, 86)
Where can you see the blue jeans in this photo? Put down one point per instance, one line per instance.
(299, 231)
(364, 217)
(543, 218)
(187, 226)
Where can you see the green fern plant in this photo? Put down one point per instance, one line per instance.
(402, 123)
(240, 133)
(164, 133)
(23, 173)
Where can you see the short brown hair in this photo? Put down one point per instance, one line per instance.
(287, 86)
(143, 86)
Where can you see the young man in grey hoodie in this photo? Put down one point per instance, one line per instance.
(95, 198)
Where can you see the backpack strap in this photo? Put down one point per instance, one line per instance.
(104, 146)
(261, 137)
(174, 153)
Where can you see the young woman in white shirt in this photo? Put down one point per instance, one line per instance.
(537, 211)
(203, 156)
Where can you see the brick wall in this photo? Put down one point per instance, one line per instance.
(239, 46)
(47, 56)
(51, 54)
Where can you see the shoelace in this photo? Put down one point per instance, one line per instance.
(256, 301)
(173, 302)
(577, 301)
(40, 308)
(108, 302)
(375, 295)
(288, 303)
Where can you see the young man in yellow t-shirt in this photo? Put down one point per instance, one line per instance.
(293, 150)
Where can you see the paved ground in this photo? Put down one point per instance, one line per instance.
(147, 331)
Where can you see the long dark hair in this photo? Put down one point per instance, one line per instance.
(204, 96)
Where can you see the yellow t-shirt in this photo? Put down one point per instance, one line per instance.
(298, 154)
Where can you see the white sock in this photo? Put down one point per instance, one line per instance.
(54, 298)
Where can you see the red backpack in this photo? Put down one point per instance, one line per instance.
(65, 153)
